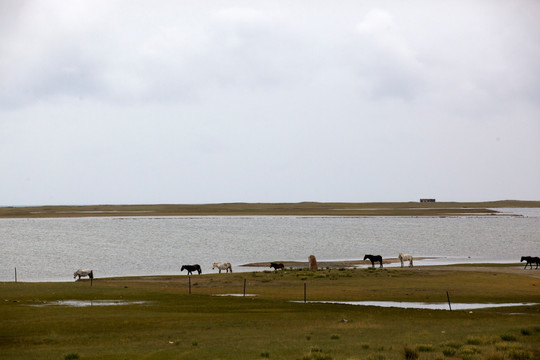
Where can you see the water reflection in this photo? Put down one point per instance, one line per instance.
(84, 303)
(423, 305)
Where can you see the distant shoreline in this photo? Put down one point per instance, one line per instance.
(415, 209)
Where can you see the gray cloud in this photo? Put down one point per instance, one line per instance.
(124, 102)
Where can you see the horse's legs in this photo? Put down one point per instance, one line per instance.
(381, 264)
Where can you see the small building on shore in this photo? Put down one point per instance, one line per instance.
(427, 200)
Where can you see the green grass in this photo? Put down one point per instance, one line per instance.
(172, 324)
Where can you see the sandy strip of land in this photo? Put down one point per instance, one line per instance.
(332, 264)
(506, 269)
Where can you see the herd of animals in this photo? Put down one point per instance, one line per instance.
(227, 267)
(219, 265)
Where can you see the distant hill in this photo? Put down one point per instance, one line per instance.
(252, 209)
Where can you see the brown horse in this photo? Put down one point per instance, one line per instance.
(276, 266)
(374, 259)
(191, 268)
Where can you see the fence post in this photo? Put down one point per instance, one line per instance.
(189, 279)
(15, 274)
(304, 292)
(244, 287)
(448, 297)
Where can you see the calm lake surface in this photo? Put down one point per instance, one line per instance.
(52, 249)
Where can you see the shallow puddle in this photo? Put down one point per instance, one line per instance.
(422, 305)
(83, 303)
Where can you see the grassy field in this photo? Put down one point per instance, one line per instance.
(171, 323)
(244, 209)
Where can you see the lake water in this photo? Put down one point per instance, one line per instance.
(52, 249)
(423, 305)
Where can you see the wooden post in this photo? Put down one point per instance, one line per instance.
(448, 297)
(15, 274)
(244, 287)
(189, 279)
(305, 292)
(91, 281)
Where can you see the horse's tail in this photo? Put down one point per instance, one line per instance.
(411, 262)
(91, 274)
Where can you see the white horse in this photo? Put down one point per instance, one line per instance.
(83, 272)
(405, 257)
(222, 266)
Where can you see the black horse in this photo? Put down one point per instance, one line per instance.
(276, 266)
(374, 259)
(530, 260)
(191, 268)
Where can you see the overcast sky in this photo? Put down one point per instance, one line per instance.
(128, 102)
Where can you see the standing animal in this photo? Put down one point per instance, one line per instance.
(276, 266)
(405, 257)
(530, 260)
(374, 259)
(222, 266)
(83, 272)
(191, 268)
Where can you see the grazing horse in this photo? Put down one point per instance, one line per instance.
(530, 260)
(83, 272)
(405, 257)
(191, 268)
(276, 266)
(374, 259)
(222, 266)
